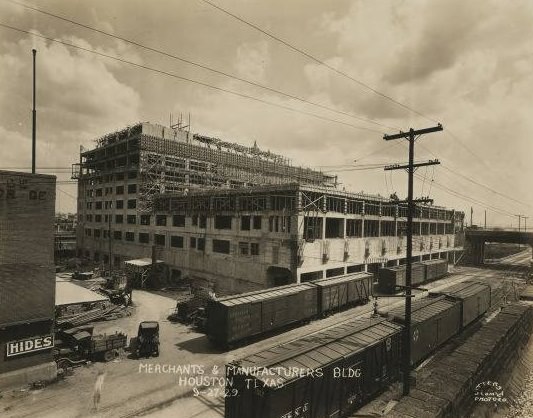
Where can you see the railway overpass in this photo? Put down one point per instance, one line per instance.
(476, 239)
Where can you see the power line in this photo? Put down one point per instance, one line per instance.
(203, 66)
(454, 170)
(176, 76)
(468, 198)
(317, 60)
(68, 194)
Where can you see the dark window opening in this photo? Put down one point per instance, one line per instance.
(221, 246)
(223, 222)
(161, 220)
(131, 219)
(257, 222)
(245, 223)
(159, 239)
(335, 272)
(371, 228)
(334, 228)
(202, 221)
(244, 248)
(254, 248)
(201, 244)
(178, 220)
(145, 219)
(176, 241)
(353, 228)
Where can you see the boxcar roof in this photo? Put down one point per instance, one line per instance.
(462, 290)
(341, 279)
(317, 350)
(423, 309)
(437, 261)
(263, 294)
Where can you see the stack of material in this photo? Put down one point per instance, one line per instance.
(189, 309)
(89, 316)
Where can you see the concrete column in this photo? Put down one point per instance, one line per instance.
(344, 228)
(363, 222)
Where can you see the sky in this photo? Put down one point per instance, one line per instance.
(373, 68)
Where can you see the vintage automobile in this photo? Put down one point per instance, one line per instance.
(148, 339)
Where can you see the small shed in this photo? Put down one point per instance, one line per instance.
(140, 271)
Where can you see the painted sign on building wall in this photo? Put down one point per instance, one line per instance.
(29, 345)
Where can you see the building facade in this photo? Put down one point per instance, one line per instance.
(275, 235)
(118, 179)
(27, 277)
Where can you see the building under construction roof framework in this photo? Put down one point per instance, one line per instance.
(174, 160)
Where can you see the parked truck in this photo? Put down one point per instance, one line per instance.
(78, 345)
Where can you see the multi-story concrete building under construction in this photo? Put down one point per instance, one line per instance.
(238, 217)
(117, 181)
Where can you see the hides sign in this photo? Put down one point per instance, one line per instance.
(29, 345)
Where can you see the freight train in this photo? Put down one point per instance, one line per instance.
(422, 272)
(235, 319)
(336, 371)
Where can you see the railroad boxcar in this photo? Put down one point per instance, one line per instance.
(435, 269)
(235, 318)
(328, 374)
(474, 297)
(337, 293)
(433, 322)
(390, 277)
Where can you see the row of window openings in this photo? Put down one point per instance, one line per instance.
(334, 228)
(109, 178)
(119, 204)
(219, 246)
(276, 223)
(132, 188)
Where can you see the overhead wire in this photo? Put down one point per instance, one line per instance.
(469, 198)
(200, 65)
(317, 60)
(186, 79)
(456, 172)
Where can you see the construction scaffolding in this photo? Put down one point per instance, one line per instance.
(170, 160)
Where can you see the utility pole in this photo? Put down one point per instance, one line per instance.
(109, 237)
(471, 216)
(411, 136)
(519, 216)
(485, 225)
(34, 118)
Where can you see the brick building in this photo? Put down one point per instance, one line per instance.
(27, 277)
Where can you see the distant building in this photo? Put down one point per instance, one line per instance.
(27, 277)
(65, 237)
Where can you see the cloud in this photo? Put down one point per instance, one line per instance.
(75, 91)
(252, 60)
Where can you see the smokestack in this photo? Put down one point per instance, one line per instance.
(34, 117)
